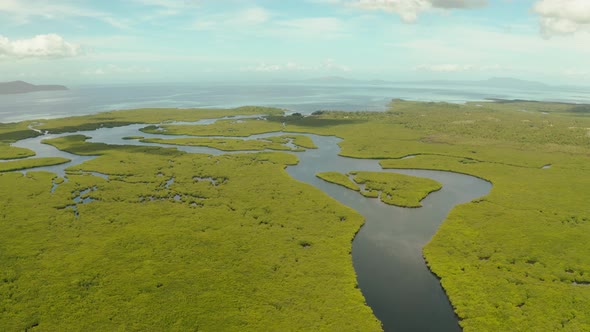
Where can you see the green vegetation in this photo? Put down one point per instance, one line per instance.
(516, 259)
(10, 133)
(236, 128)
(10, 152)
(298, 140)
(536, 106)
(340, 179)
(146, 115)
(390, 188)
(274, 122)
(396, 189)
(175, 241)
(18, 165)
(231, 144)
(515, 256)
(77, 144)
(180, 241)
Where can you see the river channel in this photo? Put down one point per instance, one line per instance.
(387, 251)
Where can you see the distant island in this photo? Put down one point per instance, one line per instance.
(24, 87)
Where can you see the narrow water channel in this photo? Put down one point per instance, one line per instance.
(387, 252)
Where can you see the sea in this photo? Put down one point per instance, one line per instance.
(303, 98)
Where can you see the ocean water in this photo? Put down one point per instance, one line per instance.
(303, 98)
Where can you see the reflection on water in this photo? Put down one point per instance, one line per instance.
(303, 98)
(387, 252)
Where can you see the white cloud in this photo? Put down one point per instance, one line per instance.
(114, 69)
(562, 17)
(261, 22)
(445, 68)
(168, 4)
(326, 65)
(166, 8)
(408, 10)
(311, 28)
(464, 4)
(40, 46)
(330, 65)
(247, 17)
(256, 15)
(23, 11)
(317, 25)
(576, 73)
(264, 67)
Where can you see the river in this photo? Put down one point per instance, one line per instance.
(387, 251)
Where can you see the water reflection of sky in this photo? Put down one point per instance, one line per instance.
(294, 97)
(387, 252)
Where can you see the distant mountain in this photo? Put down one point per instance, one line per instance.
(24, 87)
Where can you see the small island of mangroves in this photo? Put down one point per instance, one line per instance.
(394, 189)
(165, 239)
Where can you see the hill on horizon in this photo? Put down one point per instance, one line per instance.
(15, 87)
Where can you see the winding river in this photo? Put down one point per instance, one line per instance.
(387, 252)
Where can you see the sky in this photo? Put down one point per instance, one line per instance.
(151, 41)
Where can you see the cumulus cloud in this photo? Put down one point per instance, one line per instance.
(562, 17)
(408, 10)
(49, 46)
(458, 3)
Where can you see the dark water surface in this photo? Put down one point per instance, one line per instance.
(387, 252)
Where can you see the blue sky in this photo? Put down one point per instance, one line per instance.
(86, 42)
